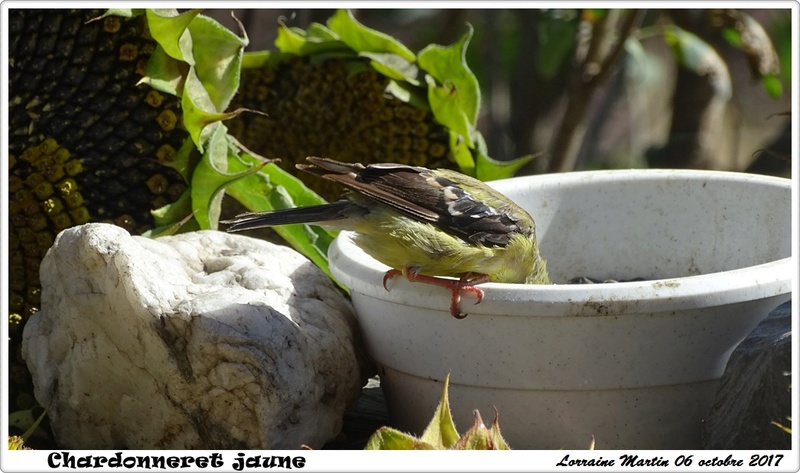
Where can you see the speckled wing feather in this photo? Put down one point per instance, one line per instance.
(438, 197)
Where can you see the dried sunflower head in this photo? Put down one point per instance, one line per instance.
(335, 107)
(86, 143)
(354, 94)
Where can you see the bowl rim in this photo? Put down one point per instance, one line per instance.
(365, 276)
(640, 174)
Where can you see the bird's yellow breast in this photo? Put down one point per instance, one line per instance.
(399, 242)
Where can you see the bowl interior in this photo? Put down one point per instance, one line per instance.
(655, 224)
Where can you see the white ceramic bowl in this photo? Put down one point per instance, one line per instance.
(633, 364)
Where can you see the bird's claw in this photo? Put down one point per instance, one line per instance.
(391, 274)
(463, 285)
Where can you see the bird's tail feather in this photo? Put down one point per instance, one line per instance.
(313, 214)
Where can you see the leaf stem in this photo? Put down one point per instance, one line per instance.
(587, 77)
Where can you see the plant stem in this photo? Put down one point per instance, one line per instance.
(587, 77)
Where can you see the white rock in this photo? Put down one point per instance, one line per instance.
(202, 340)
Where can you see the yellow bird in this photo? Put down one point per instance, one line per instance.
(428, 225)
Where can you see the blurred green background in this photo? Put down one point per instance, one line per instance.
(597, 89)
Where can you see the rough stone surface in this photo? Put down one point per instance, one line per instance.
(755, 390)
(197, 341)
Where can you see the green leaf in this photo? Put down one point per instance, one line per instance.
(301, 195)
(461, 154)
(445, 104)
(387, 438)
(398, 91)
(272, 188)
(173, 212)
(173, 217)
(441, 431)
(186, 224)
(414, 96)
(772, 85)
(199, 111)
(699, 57)
(169, 29)
(488, 169)
(258, 59)
(480, 143)
(310, 240)
(295, 41)
(448, 65)
(185, 159)
(211, 176)
(362, 39)
(217, 53)
(393, 66)
(320, 32)
(290, 40)
(164, 73)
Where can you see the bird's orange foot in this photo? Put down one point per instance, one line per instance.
(465, 284)
(391, 274)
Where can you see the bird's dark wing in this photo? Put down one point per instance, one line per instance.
(441, 198)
